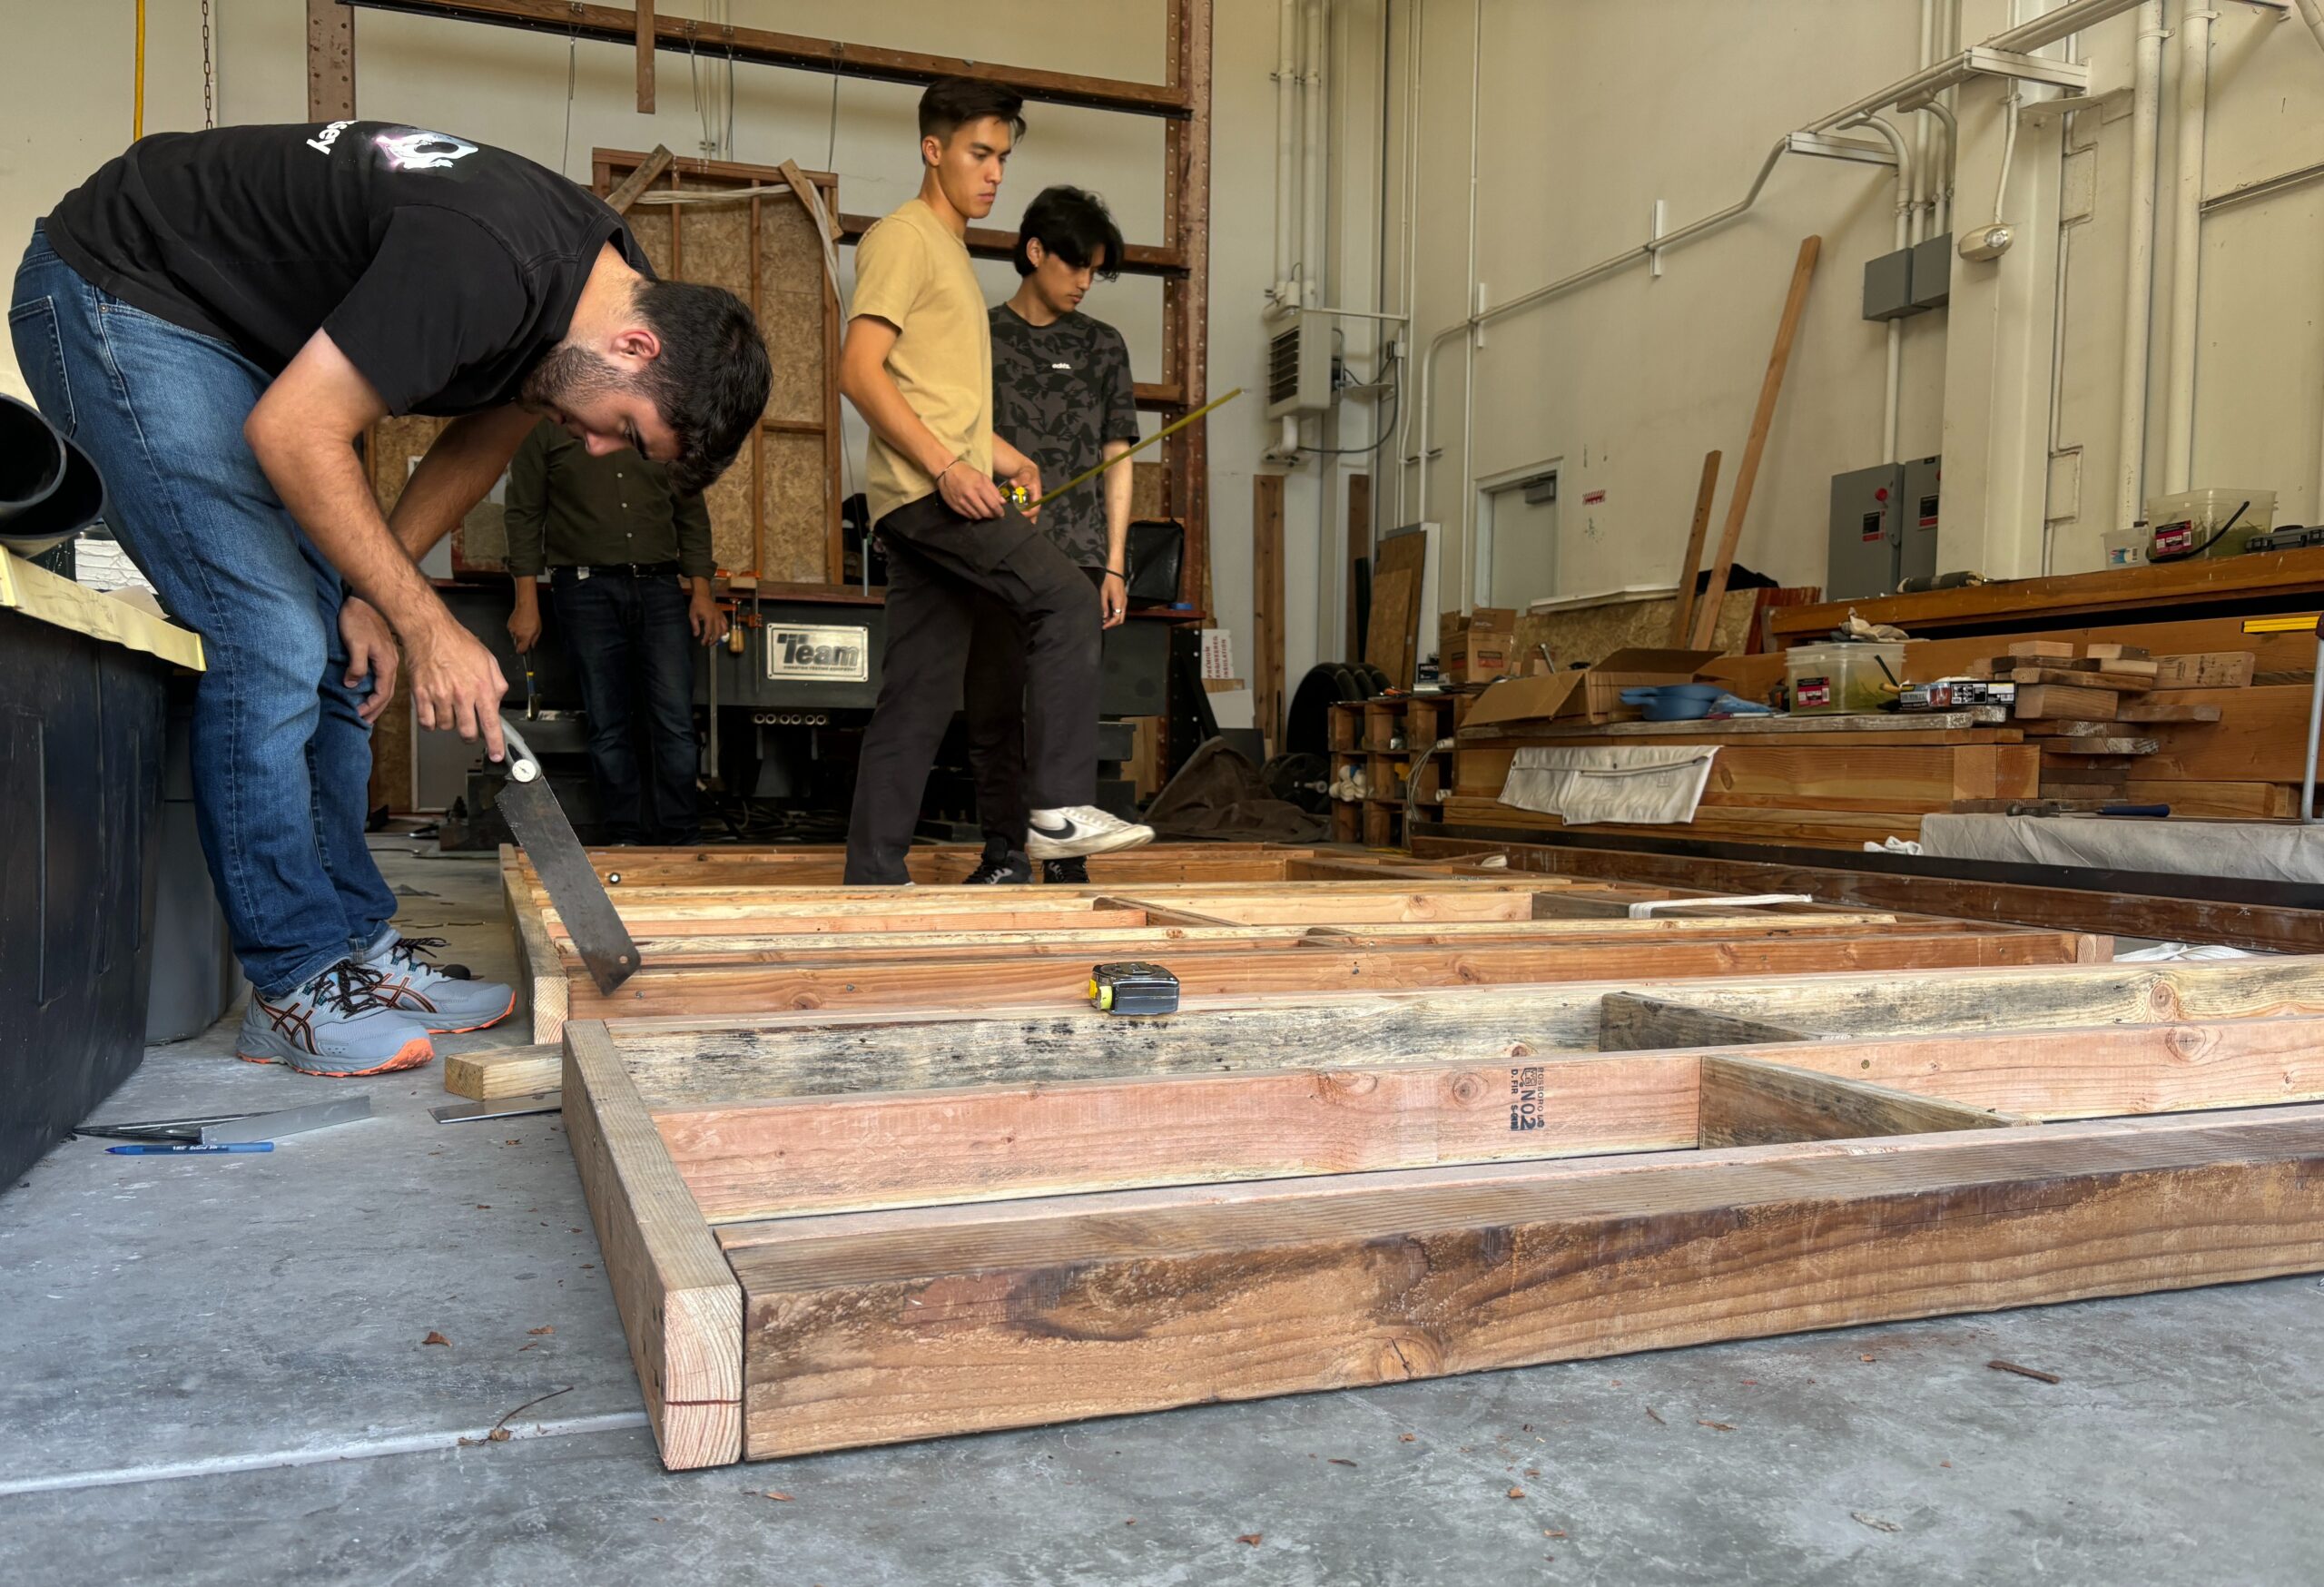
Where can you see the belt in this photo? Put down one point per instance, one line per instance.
(627, 569)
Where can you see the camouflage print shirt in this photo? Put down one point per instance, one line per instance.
(1060, 393)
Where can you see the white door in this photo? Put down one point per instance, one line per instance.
(1520, 550)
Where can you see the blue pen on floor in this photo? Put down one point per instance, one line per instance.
(172, 1149)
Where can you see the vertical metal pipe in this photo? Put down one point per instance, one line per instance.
(2187, 243)
(2137, 293)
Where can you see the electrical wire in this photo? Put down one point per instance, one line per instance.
(1387, 426)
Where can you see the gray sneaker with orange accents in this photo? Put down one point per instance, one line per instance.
(443, 995)
(336, 1024)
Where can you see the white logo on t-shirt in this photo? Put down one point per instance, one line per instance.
(423, 151)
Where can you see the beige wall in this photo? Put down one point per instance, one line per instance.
(1588, 111)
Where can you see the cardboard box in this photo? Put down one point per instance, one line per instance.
(1475, 656)
(1595, 695)
(1486, 619)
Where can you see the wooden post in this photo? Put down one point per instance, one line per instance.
(1266, 602)
(1762, 419)
(1684, 611)
(1359, 552)
(330, 61)
(644, 57)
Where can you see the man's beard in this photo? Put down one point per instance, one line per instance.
(567, 375)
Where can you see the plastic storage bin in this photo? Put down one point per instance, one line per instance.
(2188, 524)
(1830, 680)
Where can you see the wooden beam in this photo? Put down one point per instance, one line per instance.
(1266, 603)
(1698, 526)
(2180, 920)
(765, 47)
(780, 1157)
(1746, 475)
(645, 56)
(905, 1333)
(647, 172)
(1359, 552)
(1748, 1101)
(330, 61)
(494, 1073)
(1634, 1022)
(992, 243)
(679, 1302)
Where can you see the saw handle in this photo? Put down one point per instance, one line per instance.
(523, 765)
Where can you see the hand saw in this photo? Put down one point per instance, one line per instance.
(547, 837)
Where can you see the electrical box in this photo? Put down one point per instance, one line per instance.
(1864, 532)
(1918, 510)
(1299, 366)
(1888, 286)
(1884, 527)
(1933, 271)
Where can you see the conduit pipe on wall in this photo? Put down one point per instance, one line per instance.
(2137, 293)
(1908, 187)
(1286, 142)
(2187, 241)
(2045, 29)
(1940, 176)
(1311, 157)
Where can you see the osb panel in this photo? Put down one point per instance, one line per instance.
(791, 307)
(391, 754)
(715, 244)
(798, 508)
(395, 444)
(1145, 489)
(1591, 634)
(650, 225)
(729, 500)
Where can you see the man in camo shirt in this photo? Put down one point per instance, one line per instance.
(1061, 394)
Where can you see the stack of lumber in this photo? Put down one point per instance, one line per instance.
(822, 1236)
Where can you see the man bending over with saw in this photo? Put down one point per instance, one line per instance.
(218, 317)
(918, 365)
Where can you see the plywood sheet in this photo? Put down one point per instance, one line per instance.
(792, 304)
(796, 492)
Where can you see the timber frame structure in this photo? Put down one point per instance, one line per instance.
(825, 1230)
(1183, 100)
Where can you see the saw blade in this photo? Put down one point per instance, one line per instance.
(541, 828)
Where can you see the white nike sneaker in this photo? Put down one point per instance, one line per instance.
(1078, 830)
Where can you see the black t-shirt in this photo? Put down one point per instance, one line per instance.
(1061, 392)
(441, 268)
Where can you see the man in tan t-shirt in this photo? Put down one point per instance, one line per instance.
(918, 365)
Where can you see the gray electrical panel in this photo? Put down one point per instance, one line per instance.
(1883, 528)
(1918, 511)
(1863, 560)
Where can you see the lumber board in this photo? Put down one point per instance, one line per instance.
(2185, 920)
(772, 1159)
(1635, 1023)
(2260, 737)
(679, 1302)
(1016, 979)
(2149, 711)
(2066, 700)
(1749, 1101)
(1698, 527)
(2254, 801)
(494, 1073)
(542, 981)
(2120, 682)
(2208, 669)
(903, 1334)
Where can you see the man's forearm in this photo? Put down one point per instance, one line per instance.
(1120, 482)
(459, 468)
(320, 480)
(527, 593)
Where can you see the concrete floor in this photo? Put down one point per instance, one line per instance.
(214, 1371)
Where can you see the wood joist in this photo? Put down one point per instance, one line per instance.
(709, 948)
(834, 1229)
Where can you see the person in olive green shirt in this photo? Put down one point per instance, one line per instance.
(629, 567)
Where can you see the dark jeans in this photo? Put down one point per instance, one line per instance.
(993, 703)
(631, 647)
(281, 759)
(941, 569)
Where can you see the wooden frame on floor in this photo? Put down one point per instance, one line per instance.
(833, 1229)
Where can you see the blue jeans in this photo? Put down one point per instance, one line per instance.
(631, 644)
(281, 761)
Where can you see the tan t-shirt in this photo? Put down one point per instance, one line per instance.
(912, 272)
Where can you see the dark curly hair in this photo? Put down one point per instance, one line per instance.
(1072, 225)
(710, 382)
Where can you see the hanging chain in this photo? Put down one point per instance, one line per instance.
(209, 74)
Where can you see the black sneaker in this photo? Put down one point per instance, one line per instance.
(1010, 869)
(1073, 873)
